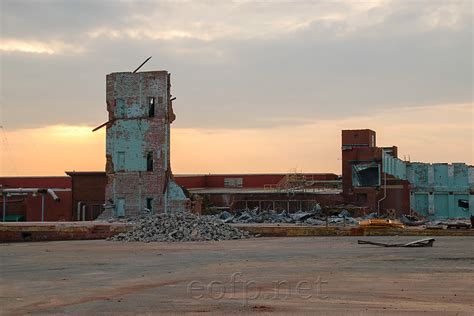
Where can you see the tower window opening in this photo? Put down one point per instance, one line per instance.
(149, 161)
(151, 107)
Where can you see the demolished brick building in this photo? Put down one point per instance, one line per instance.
(374, 177)
(138, 168)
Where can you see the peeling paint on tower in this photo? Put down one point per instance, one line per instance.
(138, 145)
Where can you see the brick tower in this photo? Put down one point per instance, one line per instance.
(138, 169)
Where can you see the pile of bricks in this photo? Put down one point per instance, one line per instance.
(180, 227)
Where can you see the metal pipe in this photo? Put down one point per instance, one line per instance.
(33, 190)
(166, 201)
(84, 212)
(384, 193)
(140, 191)
(43, 192)
(79, 210)
(21, 190)
(4, 206)
(42, 207)
(53, 195)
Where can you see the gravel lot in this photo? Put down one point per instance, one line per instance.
(325, 275)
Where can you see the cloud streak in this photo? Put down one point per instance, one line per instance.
(243, 65)
(313, 147)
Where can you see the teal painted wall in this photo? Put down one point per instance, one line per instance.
(131, 143)
(394, 166)
(435, 188)
(442, 185)
(421, 203)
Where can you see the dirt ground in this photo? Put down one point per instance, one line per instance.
(312, 275)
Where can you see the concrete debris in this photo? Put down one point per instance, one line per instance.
(371, 216)
(225, 216)
(340, 220)
(448, 222)
(272, 217)
(409, 220)
(180, 227)
(344, 213)
(302, 216)
(314, 221)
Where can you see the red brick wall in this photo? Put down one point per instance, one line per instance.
(398, 193)
(191, 181)
(398, 196)
(36, 182)
(249, 180)
(361, 154)
(358, 137)
(53, 211)
(237, 201)
(30, 206)
(89, 189)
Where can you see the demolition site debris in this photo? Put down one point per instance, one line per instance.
(180, 227)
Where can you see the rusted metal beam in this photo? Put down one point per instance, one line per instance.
(101, 125)
(427, 242)
(143, 63)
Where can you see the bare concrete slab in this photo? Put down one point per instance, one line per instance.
(49, 231)
(297, 230)
(312, 275)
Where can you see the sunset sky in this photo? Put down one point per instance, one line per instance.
(261, 86)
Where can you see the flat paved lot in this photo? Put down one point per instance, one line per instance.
(312, 275)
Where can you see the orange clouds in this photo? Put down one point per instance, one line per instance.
(430, 134)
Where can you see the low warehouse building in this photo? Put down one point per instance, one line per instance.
(29, 206)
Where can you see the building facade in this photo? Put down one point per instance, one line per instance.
(139, 177)
(437, 190)
(376, 178)
(364, 181)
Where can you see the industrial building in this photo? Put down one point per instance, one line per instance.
(364, 181)
(138, 177)
(437, 190)
(84, 193)
(29, 206)
(375, 177)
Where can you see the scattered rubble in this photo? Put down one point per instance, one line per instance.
(316, 217)
(410, 220)
(180, 227)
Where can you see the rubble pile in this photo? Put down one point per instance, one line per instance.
(180, 227)
(410, 220)
(271, 217)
